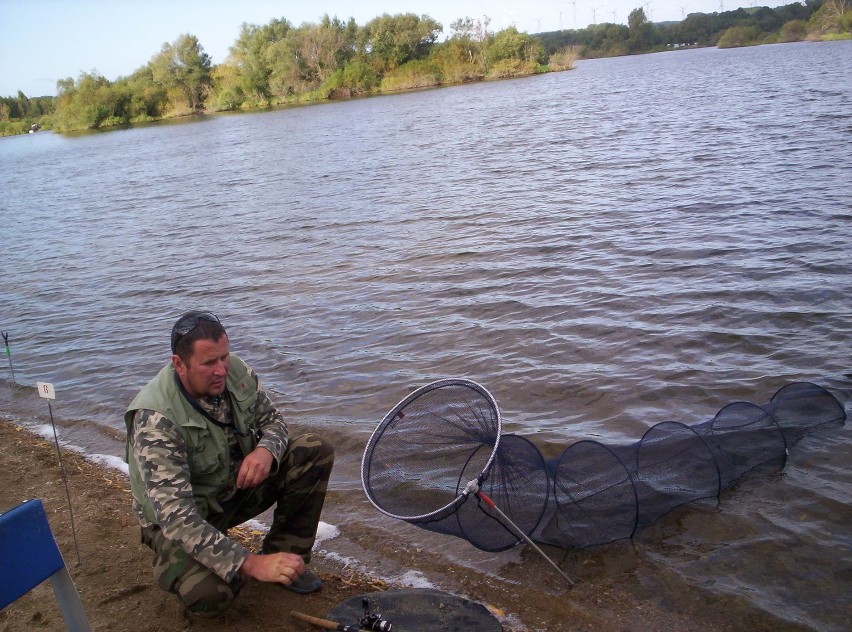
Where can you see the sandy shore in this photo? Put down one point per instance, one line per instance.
(116, 585)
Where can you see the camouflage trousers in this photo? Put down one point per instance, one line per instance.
(297, 490)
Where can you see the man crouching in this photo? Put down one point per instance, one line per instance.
(207, 450)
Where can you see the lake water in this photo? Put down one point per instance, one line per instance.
(639, 240)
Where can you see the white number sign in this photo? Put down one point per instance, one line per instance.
(45, 389)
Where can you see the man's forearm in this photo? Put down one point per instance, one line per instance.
(276, 435)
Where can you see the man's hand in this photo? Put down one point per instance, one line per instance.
(284, 568)
(254, 468)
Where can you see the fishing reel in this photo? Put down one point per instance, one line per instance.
(373, 621)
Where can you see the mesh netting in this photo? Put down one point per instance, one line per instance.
(603, 494)
(442, 444)
(518, 484)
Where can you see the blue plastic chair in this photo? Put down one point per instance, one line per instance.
(29, 556)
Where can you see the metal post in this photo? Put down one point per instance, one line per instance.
(64, 480)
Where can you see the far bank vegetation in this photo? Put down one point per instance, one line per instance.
(279, 63)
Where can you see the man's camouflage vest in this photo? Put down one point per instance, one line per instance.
(206, 442)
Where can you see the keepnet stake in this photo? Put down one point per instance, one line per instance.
(8, 354)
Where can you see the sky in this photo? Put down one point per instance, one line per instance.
(42, 41)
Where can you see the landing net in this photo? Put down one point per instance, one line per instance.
(443, 442)
(416, 460)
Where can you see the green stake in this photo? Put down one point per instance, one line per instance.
(9, 354)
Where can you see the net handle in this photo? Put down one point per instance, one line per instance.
(473, 487)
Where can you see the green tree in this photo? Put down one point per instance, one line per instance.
(183, 68)
(147, 100)
(472, 35)
(227, 88)
(462, 57)
(616, 39)
(88, 103)
(643, 34)
(249, 57)
(396, 39)
(348, 33)
(697, 28)
(512, 44)
(766, 19)
(635, 20)
(795, 11)
(306, 57)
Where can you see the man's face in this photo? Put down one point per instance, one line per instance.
(205, 372)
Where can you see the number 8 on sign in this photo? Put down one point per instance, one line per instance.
(45, 390)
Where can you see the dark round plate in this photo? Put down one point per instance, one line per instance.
(419, 610)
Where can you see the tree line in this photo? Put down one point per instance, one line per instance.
(19, 114)
(809, 20)
(279, 63)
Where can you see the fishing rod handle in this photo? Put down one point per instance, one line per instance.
(322, 623)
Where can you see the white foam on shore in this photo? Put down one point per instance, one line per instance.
(348, 562)
(107, 460)
(43, 430)
(415, 579)
(104, 460)
(409, 579)
(325, 531)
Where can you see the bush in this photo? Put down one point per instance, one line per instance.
(832, 21)
(410, 76)
(509, 44)
(112, 121)
(506, 68)
(740, 36)
(456, 64)
(356, 77)
(11, 128)
(227, 99)
(564, 58)
(794, 31)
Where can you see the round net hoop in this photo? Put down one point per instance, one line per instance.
(411, 465)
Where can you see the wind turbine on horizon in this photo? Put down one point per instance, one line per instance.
(573, 3)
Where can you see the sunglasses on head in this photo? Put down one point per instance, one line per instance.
(187, 323)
